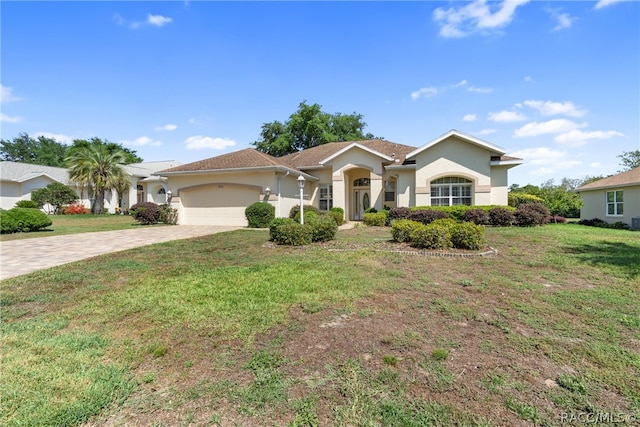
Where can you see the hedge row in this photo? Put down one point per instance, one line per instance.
(18, 220)
(288, 231)
(439, 234)
(147, 213)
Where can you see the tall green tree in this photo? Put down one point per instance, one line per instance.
(308, 127)
(630, 160)
(130, 156)
(55, 195)
(26, 149)
(99, 169)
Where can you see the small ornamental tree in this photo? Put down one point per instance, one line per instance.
(260, 214)
(54, 195)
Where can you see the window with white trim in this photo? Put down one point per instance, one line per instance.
(162, 191)
(451, 191)
(389, 191)
(325, 197)
(615, 203)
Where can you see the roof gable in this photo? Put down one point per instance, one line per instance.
(464, 137)
(242, 159)
(624, 179)
(21, 172)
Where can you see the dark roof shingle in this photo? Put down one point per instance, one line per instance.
(247, 158)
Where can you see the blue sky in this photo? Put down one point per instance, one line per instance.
(556, 83)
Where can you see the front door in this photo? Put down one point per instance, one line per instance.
(361, 202)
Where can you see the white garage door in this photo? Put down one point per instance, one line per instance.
(217, 204)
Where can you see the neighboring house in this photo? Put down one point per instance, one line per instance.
(18, 180)
(612, 199)
(453, 169)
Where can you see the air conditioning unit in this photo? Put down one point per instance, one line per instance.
(635, 223)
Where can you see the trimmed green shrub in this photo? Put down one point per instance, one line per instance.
(530, 214)
(260, 214)
(500, 216)
(18, 220)
(27, 204)
(309, 217)
(398, 213)
(294, 234)
(371, 210)
(295, 211)
(168, 215)
(55, 194)
(426, 216)
(275, 224)
(323, 229)
(597, 222)
(477, 216)
(432, 236)
(401, 229)
(375, 219)
(145, 213)
(467, 235)
(337, 214)
(517, 199)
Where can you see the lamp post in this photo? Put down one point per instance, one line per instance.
(301, 185)
(267, 192)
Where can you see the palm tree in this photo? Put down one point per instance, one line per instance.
(100, 170)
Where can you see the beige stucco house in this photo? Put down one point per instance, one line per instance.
(612, 199)
(18, 180)
(453, 169)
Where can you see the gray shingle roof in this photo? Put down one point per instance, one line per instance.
(21, 172)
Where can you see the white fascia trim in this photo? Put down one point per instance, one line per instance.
(472, 139)
(355, 144)
(236, 170)
(33, 176)
(506, 162)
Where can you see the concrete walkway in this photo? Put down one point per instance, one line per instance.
(24, 256)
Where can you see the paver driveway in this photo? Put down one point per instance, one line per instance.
(24, 256)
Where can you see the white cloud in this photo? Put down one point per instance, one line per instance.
(142, 141)
(460, 83)
(564, 21)
(9, 119)
(200, 142)
(540, 155)
(469, 118)
(168, 127)
(477, 16)
(528, 79)
(550, 108)
(480, 89)
(158, 20)
(486, 132)
(551, 126)
(605, 3)
(576, 138)
(426, 92)
(65, 139)
(506, 116)
(6, 95)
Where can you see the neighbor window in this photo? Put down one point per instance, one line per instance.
(390, 191)
(615, 203)
(325, 197)
(451, 191)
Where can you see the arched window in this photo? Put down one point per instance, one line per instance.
(162, 191)
(451, 191)
(362, 182)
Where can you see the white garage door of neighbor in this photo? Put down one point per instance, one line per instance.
(219, 204)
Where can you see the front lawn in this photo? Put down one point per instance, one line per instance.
(72, 224)
(229, 330)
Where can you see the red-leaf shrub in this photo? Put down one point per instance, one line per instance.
(76, 209)
(530, 214)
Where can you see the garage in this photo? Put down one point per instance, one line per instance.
(217, 204)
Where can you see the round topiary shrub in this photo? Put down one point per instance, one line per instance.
(477, 216)
(275, 224)
(260, 214)
(337, 214)
(375, 219)
(401, 229)
(28, 204)
(501, 217)
(467, 235)
(426, 216)
(530, 214)
(295, 211)
(294, 234)
(432, 236)
(18, 220)
(145, 213)
(323, 229)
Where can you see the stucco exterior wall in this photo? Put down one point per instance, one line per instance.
(595, 204)
(11, 193)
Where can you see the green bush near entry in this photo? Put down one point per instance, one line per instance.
(18, 220)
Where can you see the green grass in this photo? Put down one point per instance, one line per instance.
(72, 224)
(77, 340)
